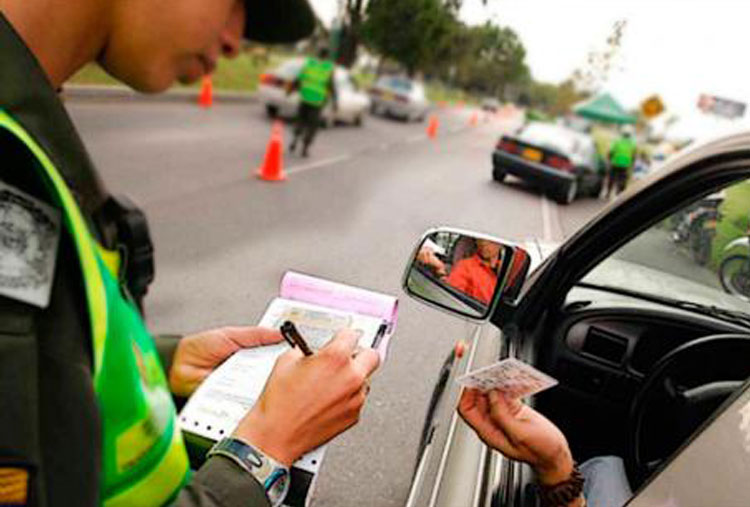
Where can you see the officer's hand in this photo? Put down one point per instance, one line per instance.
(519, 432)
(309, 400)
(197, 355)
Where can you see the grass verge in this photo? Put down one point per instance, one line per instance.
(239, 74)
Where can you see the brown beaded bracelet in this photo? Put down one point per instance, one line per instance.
(562, 493)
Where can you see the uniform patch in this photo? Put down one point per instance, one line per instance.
(29, 238)
(14, 486)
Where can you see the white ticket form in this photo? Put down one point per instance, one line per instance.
(512, 377)
(224, 398)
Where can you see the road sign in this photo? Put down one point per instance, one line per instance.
(652, 106)
(721, 107)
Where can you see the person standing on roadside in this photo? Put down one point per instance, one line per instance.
(621, 159)
(87, 392)
(315, 84)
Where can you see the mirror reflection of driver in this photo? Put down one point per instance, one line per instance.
(476, 276)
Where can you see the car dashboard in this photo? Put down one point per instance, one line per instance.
(600, 347)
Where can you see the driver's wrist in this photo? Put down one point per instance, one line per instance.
(557, 471)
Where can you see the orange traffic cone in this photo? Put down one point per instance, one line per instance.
(206, 97)
(432, 127)
(474, 118)
(272, 168)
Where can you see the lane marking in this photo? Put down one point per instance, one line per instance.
(558, 221)
(319, 163)
(382, 147)
(546, 220)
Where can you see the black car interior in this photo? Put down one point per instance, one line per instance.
(602, 349)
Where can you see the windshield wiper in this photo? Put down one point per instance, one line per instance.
(735, 316)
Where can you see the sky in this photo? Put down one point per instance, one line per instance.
(675, 48)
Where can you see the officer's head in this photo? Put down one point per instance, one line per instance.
(627, 131)
(149, 45)
(323, 53)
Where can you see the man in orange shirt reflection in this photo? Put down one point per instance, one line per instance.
(476, 276)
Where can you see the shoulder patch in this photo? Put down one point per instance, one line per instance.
(14, 486)
(29, 238)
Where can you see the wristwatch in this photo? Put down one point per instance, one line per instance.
(270, 473)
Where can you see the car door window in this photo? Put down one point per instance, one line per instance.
(700, 254)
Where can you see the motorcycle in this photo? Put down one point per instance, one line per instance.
(697, 227)
(734, 271)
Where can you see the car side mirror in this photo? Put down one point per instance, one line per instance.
(465, 273)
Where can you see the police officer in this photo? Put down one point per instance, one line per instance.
(621, 158)
(86, 392)
(315, 84)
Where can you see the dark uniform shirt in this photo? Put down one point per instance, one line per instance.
(49, 420)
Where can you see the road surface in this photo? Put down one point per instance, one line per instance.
(352, 212)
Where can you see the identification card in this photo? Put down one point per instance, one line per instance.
(512, 377)
(29, 237)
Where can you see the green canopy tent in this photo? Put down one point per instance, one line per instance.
(603, 108)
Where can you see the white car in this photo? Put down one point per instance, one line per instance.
(272, 91)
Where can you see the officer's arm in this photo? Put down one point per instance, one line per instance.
(166, 345)
(221, 483)
(20, 438)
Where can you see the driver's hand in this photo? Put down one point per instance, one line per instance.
(309, 400)
(427, 257)
(519, 432)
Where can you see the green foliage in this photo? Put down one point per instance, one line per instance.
(426, 36)
(735, 219)
(555, 99)
(411, 32)
(487, 58)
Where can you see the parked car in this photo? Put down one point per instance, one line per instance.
(562, 161)
(399, 97)
(490, 104)
(351, 101)
(650, 353)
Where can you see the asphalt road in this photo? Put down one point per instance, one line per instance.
(352, 212)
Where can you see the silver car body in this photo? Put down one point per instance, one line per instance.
(399, 97)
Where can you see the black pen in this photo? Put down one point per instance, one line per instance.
(379, 335)
(291, 335)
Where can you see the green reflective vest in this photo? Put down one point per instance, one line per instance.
(314, 79)
(622, 152)
(143, 456)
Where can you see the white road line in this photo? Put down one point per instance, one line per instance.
(416, 138)
(546, 220)
(558, 221)
(319, 163)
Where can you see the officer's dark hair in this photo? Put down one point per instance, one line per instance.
(323, 52)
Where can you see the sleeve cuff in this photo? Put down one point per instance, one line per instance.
(229, 484)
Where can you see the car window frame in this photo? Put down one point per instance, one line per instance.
(642, 206)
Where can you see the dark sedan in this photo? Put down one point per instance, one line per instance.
(562, 161)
